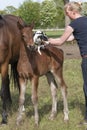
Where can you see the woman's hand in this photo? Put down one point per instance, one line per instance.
(55, 41)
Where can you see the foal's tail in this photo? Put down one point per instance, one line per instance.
(14, 74)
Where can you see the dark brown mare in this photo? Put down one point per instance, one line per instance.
(32, 65)
(10, 39)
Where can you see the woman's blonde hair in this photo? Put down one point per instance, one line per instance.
(73, 6)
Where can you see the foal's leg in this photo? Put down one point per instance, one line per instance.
(35, 98)
(53, 85)
(21, 99)
(59, 76)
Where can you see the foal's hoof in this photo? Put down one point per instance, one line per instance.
(53, 116)
(66, 120)
(36, 125)
(19, 121)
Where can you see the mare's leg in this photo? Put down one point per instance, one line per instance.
(22, 82)
(5, 91)
(59, 76)
(53, 85)
(34, 81)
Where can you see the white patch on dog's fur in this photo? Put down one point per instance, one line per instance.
(38, 37)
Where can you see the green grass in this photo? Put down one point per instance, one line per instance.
(54, 33)
(73, 79)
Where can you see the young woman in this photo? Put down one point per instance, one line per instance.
(77, 29)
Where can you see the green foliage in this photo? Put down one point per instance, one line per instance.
(51, 14)
(29, 11)
(10, 10)
(48, 14)
(60, 17)
(2, 12)
(84, 7)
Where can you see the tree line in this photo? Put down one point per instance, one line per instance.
(47, 14)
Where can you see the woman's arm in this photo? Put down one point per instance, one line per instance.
(67, 36)
(71, 38)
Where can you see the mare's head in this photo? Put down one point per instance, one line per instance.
(27, 34)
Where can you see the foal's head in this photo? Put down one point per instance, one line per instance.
(27, 34)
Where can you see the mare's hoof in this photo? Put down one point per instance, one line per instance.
(3, 123)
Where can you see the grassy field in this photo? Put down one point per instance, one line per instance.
(73, 79)
(55, 33)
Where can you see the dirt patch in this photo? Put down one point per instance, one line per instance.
(71, 51)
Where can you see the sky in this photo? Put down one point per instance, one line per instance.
(17, 3)
(79, 0)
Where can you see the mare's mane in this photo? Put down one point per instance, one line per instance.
(2, 21)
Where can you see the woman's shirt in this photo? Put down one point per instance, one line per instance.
(80, 33)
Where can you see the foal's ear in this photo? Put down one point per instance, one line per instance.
(20, 23)
(32, 25)
(20, 26)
